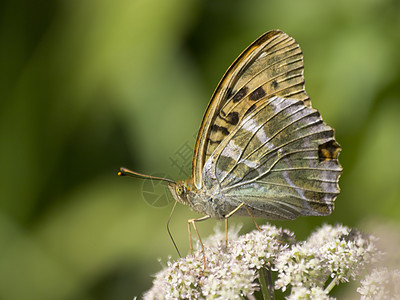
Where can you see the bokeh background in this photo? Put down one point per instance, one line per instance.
(89, 86)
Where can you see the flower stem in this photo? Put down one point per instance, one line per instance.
(331, 285)
(266, 283)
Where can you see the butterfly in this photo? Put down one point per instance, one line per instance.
(261, 149)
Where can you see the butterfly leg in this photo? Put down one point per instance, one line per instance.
(193, 222)
(226, 232)
(226, 221)
(251, 215)
(231, 213)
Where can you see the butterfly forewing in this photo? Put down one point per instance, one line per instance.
(271, 66)
(280, 160)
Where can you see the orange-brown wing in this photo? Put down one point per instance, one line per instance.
(271, 66)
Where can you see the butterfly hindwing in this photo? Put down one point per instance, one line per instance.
(280, 160)
(271, 66)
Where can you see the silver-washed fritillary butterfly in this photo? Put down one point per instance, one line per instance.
(261, 150)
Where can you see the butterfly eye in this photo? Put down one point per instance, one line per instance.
(179, 190)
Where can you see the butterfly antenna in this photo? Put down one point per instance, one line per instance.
(126, 172)
(169, 232)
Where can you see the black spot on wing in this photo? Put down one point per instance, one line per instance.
(240, 94)
(329, 150)
(257, 94)
(231, 118)
(221, 129)
(274, 84)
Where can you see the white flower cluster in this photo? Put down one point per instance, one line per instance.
(337, 252)
(332, 253)
(300, 266)
(258, 248)
(223, 278)
(381, 284)
(228, 275)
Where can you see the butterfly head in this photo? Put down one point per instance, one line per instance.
(180, 191)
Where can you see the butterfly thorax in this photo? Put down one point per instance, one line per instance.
(199, 200)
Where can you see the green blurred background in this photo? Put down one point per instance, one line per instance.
(89, 86)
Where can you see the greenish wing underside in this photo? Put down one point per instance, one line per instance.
(271, 66)
(281, 160)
